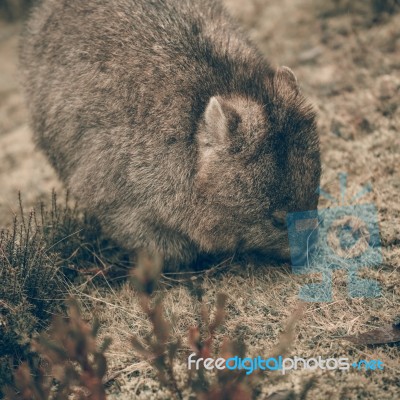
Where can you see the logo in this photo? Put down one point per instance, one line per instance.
(281, 364)
(343, 237)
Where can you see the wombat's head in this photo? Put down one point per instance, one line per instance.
(256, 163)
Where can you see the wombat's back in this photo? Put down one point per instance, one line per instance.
(110, 65)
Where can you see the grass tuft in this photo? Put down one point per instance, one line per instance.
(40, 255)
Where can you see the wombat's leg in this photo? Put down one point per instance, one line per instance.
(141, 231)
(177, 251)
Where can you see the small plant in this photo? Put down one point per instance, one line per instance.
(68, 362)
(162, 349)
(39, 254)
(71, 363)
(30, 283)
(78, 240)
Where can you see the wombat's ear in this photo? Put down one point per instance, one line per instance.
(285, 81)
(216, 121)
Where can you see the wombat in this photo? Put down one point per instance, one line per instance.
(169, 126)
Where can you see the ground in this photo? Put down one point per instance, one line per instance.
(347, 60)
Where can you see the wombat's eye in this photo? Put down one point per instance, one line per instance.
(278, 219)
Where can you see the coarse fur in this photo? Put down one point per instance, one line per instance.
(169, 126)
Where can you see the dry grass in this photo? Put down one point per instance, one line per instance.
(257, 316)
(347, 58)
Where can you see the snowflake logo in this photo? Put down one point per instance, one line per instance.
(341, 237)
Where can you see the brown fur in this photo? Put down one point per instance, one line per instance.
(169, 126)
